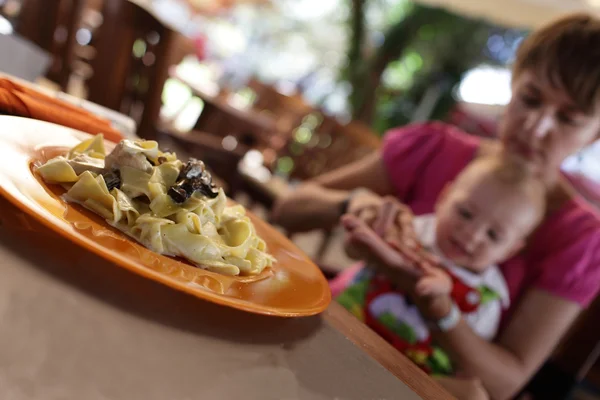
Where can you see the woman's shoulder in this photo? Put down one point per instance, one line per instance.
(421, 159)
(430, 134)
(566, 248)
(429, 145)
(575, 218)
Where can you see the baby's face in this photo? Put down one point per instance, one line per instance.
(484, 221)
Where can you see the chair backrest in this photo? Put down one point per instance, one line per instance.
(133, 52)
(52, 25)
(248, 126)
(315, 150)
(288, 110)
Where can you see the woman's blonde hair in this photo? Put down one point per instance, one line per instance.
(566, 53)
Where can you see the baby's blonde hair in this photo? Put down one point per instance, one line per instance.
(510, 172)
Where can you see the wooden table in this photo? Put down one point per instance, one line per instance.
(259, 123)
(75, 326)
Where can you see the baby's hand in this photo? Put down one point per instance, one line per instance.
(435, 282)
(366, 244)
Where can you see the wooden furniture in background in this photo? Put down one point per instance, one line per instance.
(249, 126)
(52, 25)
(133, 51)
(314, 151)
(287, 110)
(124, 81)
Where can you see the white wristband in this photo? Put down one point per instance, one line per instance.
(450, 321)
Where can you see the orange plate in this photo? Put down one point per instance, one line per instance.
(293, 287)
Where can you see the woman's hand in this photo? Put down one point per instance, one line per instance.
(308, 207)
(390, 220)
(364, 204)
(377, 213)
(367, 245)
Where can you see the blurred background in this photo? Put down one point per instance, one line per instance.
(270, 93)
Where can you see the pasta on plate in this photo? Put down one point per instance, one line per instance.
(171, 207)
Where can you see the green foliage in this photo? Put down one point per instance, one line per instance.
(427, 50)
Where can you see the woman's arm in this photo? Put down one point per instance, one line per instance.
(317, 204)
(369, 172)
(539, 322)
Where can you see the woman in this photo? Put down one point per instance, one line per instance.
(554, 112)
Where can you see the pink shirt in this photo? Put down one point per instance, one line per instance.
(563, 255)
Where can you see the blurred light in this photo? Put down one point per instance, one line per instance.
(285, 165)
(495, 43)
(311, 9)
(399, 74)
(60, 34)
(413, 61)
(253, 158)
(286, 87)
(486, 85)
(5, 26)
(229, 143)
(310, 121)
(302, 135)
(297, 42)
(139, 48)
(237, 100)
(83, 36)
(174, 96)
(187, 118)
(148, 59)
(153, 38)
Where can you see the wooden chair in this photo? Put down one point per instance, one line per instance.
(134, 50)
(52, 26)
(327, 147)
(287, 110)
(247, 126)
(315, 150)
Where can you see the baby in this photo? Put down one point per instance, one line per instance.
(483, 218)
